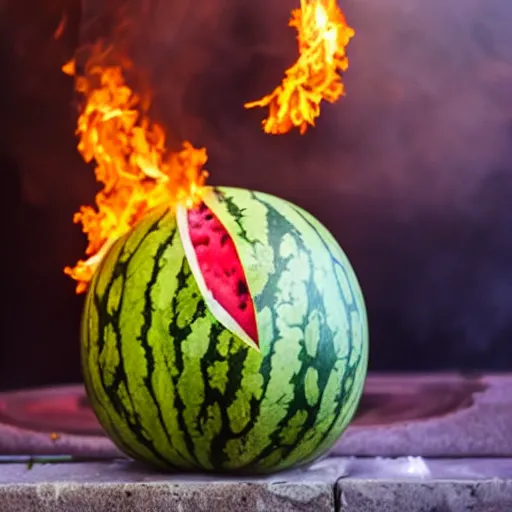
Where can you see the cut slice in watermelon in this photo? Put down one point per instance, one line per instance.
(211, 253)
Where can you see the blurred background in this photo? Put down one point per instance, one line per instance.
(411, 171)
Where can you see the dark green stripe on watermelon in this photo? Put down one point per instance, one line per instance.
(172, 386)
(323, 365)
(349, 377)
(106, 320)
(279, 229)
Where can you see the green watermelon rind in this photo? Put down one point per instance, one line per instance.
(211, 402)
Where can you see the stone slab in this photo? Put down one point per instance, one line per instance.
(414, 484)
(411, 484)
(125, 486)
(450, 496)
(430, 415)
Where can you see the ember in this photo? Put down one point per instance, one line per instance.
(132, 162)
(322, 37)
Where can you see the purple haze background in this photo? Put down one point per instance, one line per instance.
(412, 170)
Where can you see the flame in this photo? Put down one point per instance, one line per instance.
(323, 35)
(61, 27)
(132, 162)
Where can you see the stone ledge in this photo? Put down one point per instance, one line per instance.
(332, 485)
(429, 496)
(123, 486)
(422, 485)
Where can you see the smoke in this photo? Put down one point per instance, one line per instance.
(412, 171)
(425, 122)
(37, 115)
(425, 119)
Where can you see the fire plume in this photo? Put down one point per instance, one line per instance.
(322, 35)
(132, 163)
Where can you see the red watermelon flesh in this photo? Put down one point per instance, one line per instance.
(221, 267)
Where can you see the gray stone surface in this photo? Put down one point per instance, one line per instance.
(125, 486)
(413, 484)
(414, 415)
(450, 496)
(51, 421)
(408, 484)
(433, 415)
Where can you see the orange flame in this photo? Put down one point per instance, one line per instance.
(132, 162)
(61, 27)
(323, 35)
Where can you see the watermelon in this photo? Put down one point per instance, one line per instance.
(228, 337)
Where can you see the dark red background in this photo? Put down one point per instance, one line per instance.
(412, 171)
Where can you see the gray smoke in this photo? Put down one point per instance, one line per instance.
(412, 170)
(426, 117)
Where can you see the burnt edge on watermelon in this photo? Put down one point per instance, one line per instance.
(221, 267)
